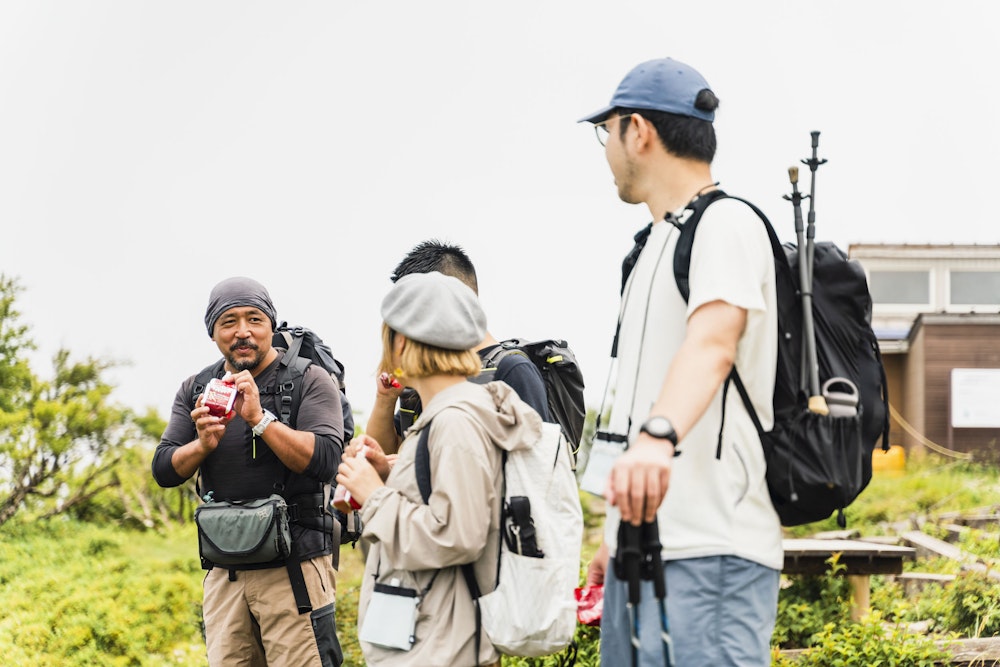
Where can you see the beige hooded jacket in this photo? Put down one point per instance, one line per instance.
(411, 541)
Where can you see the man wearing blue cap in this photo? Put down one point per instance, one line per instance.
(694, 461)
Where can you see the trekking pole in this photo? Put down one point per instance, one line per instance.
(813, 163)
(627, 569)
(653, 569)
(817, 403)
(800, 239)
(809, 380)
(638, 559)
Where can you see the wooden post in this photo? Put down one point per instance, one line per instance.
(860, 595)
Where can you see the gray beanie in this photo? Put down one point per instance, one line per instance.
(435, 309)
(238, 291)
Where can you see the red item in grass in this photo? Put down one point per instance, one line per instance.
(589, 604)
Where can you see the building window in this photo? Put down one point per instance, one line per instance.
(975, 288)
(900, 287)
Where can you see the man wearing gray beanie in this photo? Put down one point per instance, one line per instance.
(279, 612)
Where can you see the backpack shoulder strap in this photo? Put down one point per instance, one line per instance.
(685, 243)
(294, 342)
(492, 361)
(409, 409)
(501, 351)
(289, 386)
(682, 252)
(682, 267)
(422, 463)
(422, 467)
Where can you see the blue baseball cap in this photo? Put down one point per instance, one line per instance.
(660, 85)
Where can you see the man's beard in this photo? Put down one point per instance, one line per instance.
(627, 182)
(245, 364)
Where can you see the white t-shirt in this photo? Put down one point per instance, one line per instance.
(717, 502)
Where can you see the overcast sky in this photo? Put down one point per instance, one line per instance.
(150, 149)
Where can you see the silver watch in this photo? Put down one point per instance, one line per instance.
(268, 417)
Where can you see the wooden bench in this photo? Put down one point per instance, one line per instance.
(860, 559)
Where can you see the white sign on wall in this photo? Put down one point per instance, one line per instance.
(975, 397)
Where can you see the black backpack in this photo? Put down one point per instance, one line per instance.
(301, 343)
(560, 373)
(563, 381)
(816, 464)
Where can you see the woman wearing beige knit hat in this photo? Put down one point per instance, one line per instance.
(415, 607)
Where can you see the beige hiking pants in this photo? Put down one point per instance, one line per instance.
(253, 621)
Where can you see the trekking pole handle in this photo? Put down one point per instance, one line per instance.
(796, 198)
(818, 405)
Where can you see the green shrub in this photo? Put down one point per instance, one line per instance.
(869, 642)
(931, 606)
(974, 602)
(808, 603)
(100, 596)
(981, 543)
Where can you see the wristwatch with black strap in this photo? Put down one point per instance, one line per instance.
(659, 428)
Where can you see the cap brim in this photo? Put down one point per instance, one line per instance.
(597, 116)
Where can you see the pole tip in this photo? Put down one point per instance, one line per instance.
(793, 174)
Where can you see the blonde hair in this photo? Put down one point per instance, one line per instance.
(420, 360)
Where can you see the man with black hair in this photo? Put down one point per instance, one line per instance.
(257, 614)
(694, 461)
(515, 369)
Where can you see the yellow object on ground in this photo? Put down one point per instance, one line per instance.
(894, 459)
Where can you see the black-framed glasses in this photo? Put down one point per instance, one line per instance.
(602, 131)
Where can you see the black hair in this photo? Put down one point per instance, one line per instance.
(434, 255)
(683, 136)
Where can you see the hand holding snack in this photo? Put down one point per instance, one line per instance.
(219, 397)
(342, 499)
(387, 386)
(389, 381)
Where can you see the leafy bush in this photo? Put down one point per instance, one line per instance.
(974, 602)
(931, 608)
(809, 603)
(97, 594)
(869, 642)
(981, 543)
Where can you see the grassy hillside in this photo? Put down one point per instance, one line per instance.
(81, 594)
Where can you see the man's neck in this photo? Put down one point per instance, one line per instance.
(676, 185)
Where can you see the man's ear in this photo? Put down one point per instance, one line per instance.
(644, 133)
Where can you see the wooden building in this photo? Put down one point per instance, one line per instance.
(936, 311)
